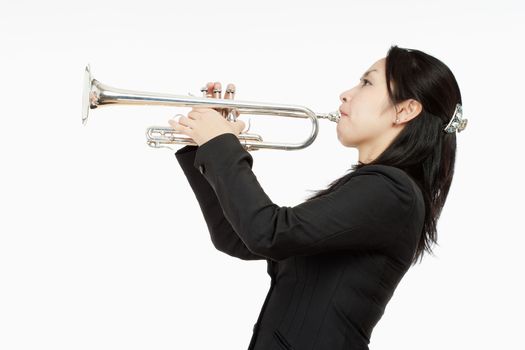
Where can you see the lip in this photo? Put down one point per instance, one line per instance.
(343, 113)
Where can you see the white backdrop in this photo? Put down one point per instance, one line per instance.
(102, 242)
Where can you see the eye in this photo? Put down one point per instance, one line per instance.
(364, 81)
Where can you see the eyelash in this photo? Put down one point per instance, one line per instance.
(365, 81)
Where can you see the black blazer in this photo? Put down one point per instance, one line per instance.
(334, 261)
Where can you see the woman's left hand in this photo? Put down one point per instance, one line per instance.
(203, 124)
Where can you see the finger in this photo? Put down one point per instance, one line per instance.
(239, 126)
(214, 90)
(188, 122)
(173, 123)
(217, 90)
(194, 114)
(229, 95)
(200, 110)
(209, 89)
(205, 89)
(230, 92)
(179, 127)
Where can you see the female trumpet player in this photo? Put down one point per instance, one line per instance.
(336, 259)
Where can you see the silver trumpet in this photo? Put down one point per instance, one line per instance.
(96, 94)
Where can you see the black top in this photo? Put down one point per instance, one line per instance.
(334, 261)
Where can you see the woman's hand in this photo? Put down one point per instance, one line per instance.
(203, 124)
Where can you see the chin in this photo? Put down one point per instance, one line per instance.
(346, 143)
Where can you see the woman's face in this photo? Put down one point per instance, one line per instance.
(367, 115)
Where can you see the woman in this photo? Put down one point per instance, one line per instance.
(336, 259)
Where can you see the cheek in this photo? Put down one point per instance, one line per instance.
(347, 131)
(352, 131)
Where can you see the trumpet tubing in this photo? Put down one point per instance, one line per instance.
(96, 95)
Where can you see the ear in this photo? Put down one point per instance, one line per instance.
(408, 110)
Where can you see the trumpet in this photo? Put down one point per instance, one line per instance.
(96, 95)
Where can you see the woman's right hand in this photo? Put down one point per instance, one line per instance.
(214, 90)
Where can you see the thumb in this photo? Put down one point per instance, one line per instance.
(239, 126)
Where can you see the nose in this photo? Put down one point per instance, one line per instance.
(345, 96)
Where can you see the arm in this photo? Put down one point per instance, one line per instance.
(367, 212)
(222, 234)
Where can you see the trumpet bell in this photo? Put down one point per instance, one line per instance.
(86, 94)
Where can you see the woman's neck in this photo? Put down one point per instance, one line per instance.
(371, 150)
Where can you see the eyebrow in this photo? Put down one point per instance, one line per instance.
(368, 72)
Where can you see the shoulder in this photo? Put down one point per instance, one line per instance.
(397, 193)
(390, 173)
(394, 180)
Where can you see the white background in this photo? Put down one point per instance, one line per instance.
(102, 242)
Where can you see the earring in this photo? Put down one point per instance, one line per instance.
(397, 120)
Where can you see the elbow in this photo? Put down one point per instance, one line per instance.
(272, 235)
(268, 250)
(234, 247)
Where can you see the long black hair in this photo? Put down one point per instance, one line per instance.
(422, 149)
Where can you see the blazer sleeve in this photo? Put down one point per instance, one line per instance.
(367, 212)
(222, 234)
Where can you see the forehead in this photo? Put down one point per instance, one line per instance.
(376, 69)
(378, 65)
